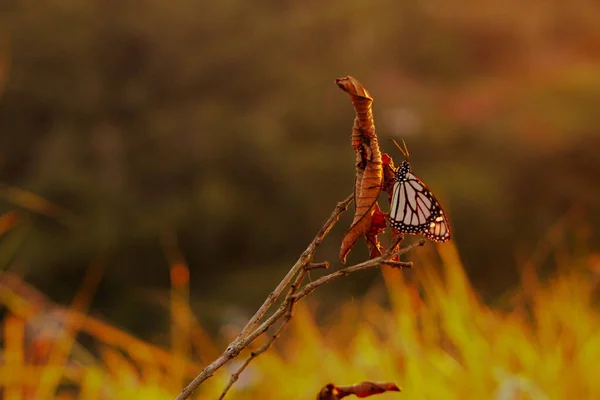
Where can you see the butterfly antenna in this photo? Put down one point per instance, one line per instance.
(404, 150)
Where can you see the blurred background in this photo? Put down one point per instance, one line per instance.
(216, 128)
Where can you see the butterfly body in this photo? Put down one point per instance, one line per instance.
(414, 209)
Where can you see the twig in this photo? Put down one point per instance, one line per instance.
(251, 332)
(398, 264)
(248, 333)
(236, 375)
(305, 258)
(292, 298)
(288, 316)
(374, 262)
(321, 265)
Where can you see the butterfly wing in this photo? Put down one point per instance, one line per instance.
(415, 210)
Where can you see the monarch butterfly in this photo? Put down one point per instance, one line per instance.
(414, 209)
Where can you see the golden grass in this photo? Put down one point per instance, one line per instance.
(435, 339)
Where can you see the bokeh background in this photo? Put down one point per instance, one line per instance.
(220, 123)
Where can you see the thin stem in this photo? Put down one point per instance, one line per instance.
(288, 316)
(304, 259)
(398, 264)
(294, 296)
(374, 262)
(249, 333)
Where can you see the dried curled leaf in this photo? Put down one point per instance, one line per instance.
(369, 169)
(378, 225)
(364, 389)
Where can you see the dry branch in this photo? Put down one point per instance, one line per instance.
(320, 265)
(375, 262)
(252, 330)
(305, 259)
(289, 301)
(398, 264)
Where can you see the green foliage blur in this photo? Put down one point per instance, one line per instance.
(221, 121)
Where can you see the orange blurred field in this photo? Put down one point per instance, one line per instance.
(430, 334)
(161, 164)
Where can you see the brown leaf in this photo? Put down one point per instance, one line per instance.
(369, 170)
(329, 392)
(378, 225)
(364, 389)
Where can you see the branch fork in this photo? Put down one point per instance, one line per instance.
(283, 314)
